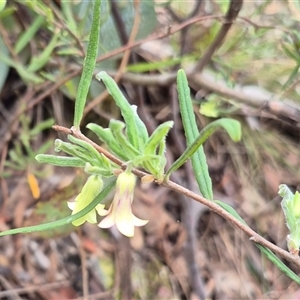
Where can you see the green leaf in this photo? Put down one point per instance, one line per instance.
(66, 7)
(116, 128)
(199, 163)
(231, 210)
(88, 148)
(2, 4)
(143, 135)
(233, 128)
(155, 165)
(127, 111)
(38, 62)
(48, 226)
(209, 109)
(94, 170)
(60, 161)
(156, 147)
(41, 126)
(157, 136)
(74, 150)
(88, 66)
(7, 12)
(26, 36)
(277, 262)
(291, 208)
(106, 136)
(23, 72)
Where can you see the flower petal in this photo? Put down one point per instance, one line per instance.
(125, 226)
(101, 211)
(71, 204)
(139, 222)
(91, 217)
(79, 221)
(107, 222)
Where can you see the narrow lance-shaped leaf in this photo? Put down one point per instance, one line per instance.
(88, 66)
(156, 146)
(291, 208)
(153, 164)
(159, 134)
(277, 262)
(69, 18)
(73, 150)
(116, 128)
(89, 148)
(26, 36)
(48, 226)
(38, 62)
(89, 169)
(199, 163)
(106, 136)
(60, 160)
(44, 147)
(143, 132)
(127, 112)
(286, 203)
(233, 128)
(23, 72)
(42, 126)
(160, 165)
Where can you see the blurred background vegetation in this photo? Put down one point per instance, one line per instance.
(185, 250)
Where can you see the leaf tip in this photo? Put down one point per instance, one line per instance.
(100, 75)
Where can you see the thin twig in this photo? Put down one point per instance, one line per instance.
(233, 10)
(254, 236)
(119, 22)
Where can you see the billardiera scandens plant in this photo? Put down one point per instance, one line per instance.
(130, 142)
(291, 207)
